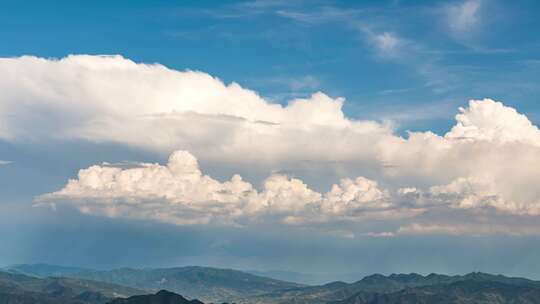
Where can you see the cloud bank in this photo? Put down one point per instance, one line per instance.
(179, 193)
(113, 99)
(484, 167)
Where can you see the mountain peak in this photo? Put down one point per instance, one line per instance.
(161, 297)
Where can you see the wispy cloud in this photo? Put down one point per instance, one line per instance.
(467, 21)
(385, 40)
(5, 162)
(295, 84)
(385, 43)
(396, 91)
(246, 9)
(465, 16)
(322, 15)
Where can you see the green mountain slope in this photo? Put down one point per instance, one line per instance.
(205, 283)
(471, 290)
(225, 285)
(18, 288)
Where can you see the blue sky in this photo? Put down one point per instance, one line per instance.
(290, 48)
(399, 65)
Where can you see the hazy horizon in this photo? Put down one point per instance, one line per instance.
(284, 275)
(329, 138)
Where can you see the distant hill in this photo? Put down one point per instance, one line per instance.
(226, 285)
(469, 289)
(377, 285)
(205, 283)
(460, 292)
(43, 270)
(18, 288)
(289, 276)
(307, 278)
(161, 297)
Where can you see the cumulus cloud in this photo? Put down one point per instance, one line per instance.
(492, 121)
(176, 193)
(470, 193)
(179, 193)
(487, 161)
(113, 99)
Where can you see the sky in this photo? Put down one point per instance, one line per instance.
(327, 137)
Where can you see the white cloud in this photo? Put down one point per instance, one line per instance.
(112, 99)
(487, 160)
(179, 193)
(416, 228)
(359, 194)
(492, 121)
(386, 42)
(384, 234)
(469, 229)
(322, 15)
(5, 162)
(475, 192)
(464, 16)
(469, 193)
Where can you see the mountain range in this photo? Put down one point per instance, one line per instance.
(18, 288)
(205, 283)
(378, 284)
(26, 283)
(459, 292)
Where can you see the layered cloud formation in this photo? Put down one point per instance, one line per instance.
(109, 98)
(485, 167)
(179, 193)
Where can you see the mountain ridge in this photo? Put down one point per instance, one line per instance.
(228, 285)
(380, 284)
(161, 297)
(468, 291)
(204, 283)
(20, 288)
